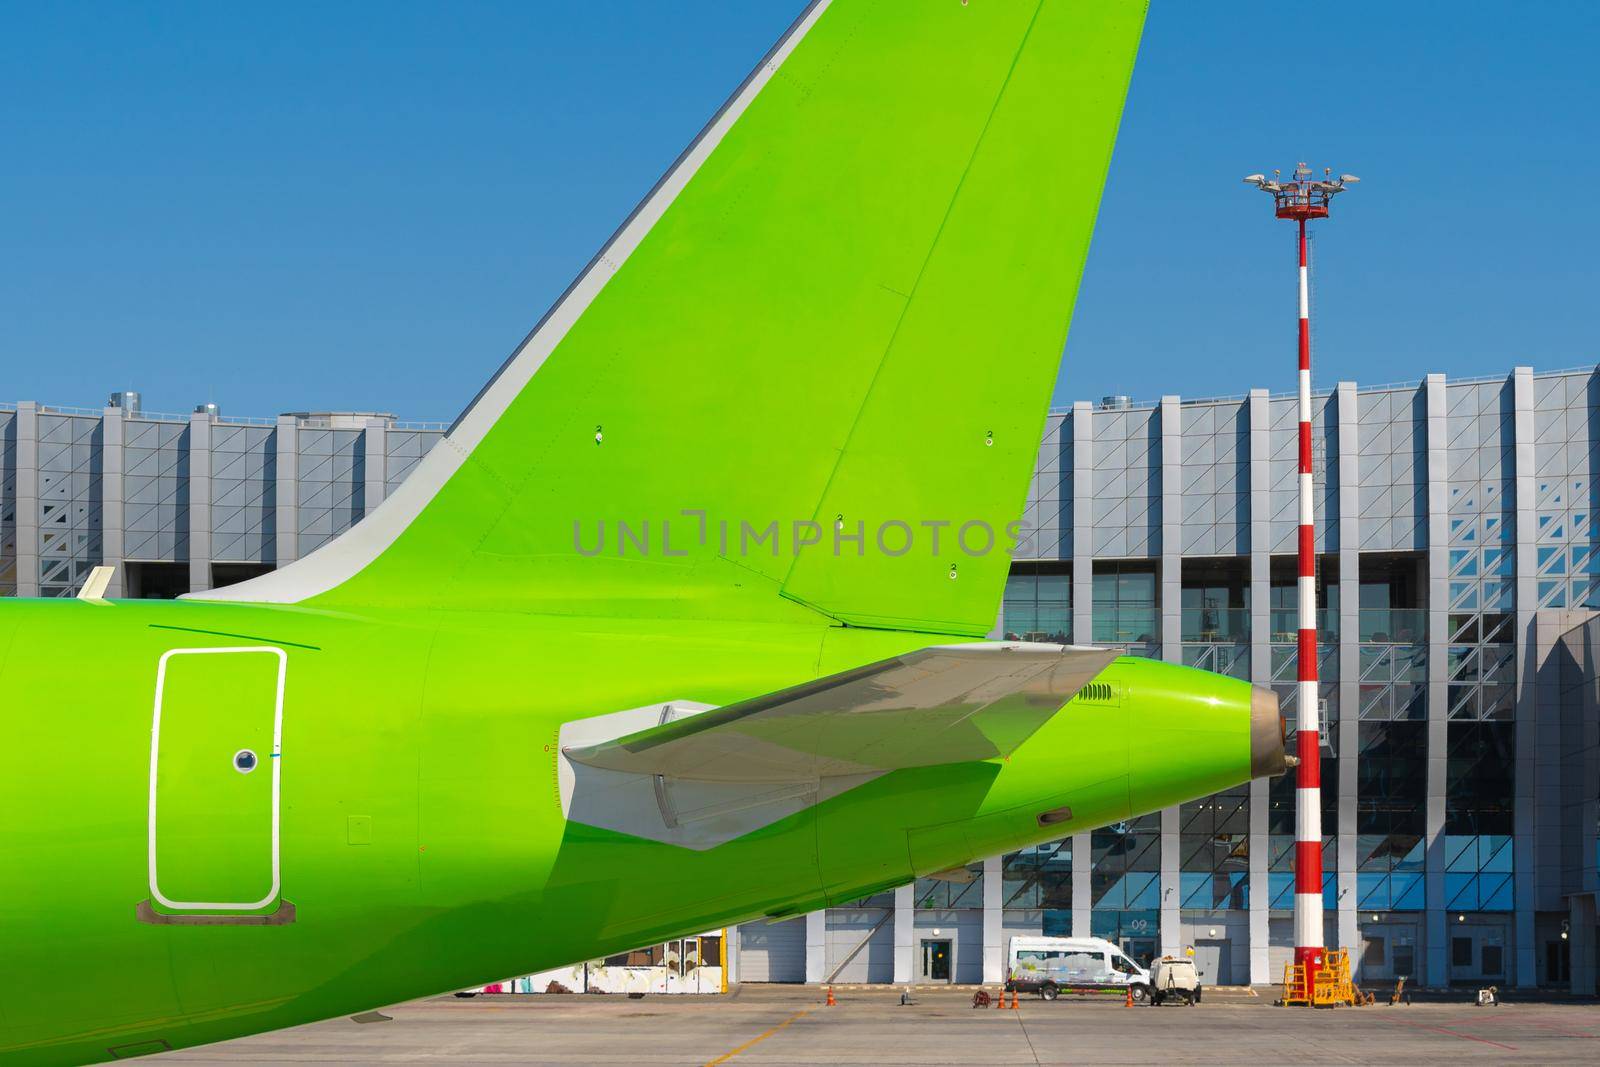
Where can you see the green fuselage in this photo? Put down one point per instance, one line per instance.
(423, 842)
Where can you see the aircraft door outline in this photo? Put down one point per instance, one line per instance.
(244, 760)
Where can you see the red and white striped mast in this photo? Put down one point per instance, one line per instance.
(1302, 199)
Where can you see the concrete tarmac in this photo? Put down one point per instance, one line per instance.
(790, 1025)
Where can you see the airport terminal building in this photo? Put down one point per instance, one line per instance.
(1459, 551)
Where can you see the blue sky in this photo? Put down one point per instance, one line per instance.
(294, 206)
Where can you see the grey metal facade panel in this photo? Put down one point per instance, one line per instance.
(200, 425)
(1082, 489)
(69, 501)
(1214, 500)
(1525, 412)
(1283, 468)
(1391, 448)
(850, 929)
(1346, 729)
(113, 510)
(1125, 509)
(405, 449)
(8, 503)
(156, 490)
(244, 466)
(1047, 510)
(1432, 470)
(331, 486)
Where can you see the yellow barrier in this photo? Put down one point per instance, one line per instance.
(1333, 985)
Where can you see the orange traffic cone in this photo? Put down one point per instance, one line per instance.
(1014, 1004)
(1000, 1001)
(831, 1002)
(1129, 1002)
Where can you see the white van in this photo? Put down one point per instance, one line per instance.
(1087, 966)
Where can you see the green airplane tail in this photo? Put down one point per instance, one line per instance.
(809, 373)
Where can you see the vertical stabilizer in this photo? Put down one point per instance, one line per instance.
(835, 321)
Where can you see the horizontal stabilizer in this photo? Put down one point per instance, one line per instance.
(944, 704)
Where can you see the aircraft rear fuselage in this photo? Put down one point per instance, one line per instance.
(421, 843)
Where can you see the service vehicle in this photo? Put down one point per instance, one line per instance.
(1174, 978)
(1086, 966)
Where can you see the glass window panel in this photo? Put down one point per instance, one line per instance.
(1055, 588)
(1144, 890)
(1135, 588)
(1497, 627)
(1494, 853)
(1496, 892)
(1406, 892)
(1461, 892)
(1460, 853)
(1021, 587)
(1412, 666)
(1499, 595)
(1371, 854)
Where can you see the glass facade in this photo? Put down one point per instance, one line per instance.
(1478, 822)
(1391, 815)
(1125, 881)
(1214, 852)
(1038, 603)
(1126, 607)
(933, 893)
(1037, 881)
(1215, 605)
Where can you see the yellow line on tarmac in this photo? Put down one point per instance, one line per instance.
(726, 1056)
